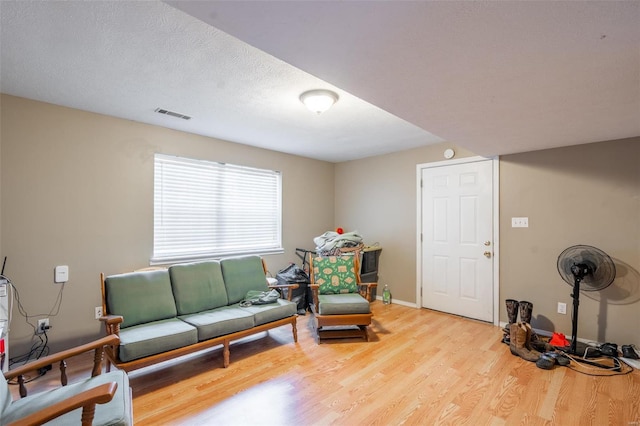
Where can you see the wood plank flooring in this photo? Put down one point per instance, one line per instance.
(420, 368)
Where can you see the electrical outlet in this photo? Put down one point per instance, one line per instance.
(43, 325)
(98, 312)
(562, 308)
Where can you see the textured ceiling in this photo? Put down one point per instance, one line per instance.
(125, 59)
(494, 77)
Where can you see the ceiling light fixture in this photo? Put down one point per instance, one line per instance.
(319, 100)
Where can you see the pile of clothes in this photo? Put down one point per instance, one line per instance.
(334, 243)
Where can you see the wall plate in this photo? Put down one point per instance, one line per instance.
(61, 274)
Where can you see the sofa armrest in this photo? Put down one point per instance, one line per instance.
(112, 323)
(288, 287)
(112, 319)
(86, 400)
(97, 346)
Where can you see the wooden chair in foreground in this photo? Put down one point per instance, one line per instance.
(339, 308)
(102, 399)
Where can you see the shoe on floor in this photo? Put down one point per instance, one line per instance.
(628, 351)
(545, 362)
(556, 357)
(609, 349)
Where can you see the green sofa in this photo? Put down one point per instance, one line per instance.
(165, 313)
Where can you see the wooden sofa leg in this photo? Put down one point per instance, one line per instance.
(225, 354)
(294, 325)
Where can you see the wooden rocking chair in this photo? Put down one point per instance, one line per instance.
(339, 308)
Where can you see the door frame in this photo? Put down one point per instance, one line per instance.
(496, 226)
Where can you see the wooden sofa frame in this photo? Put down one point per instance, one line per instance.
(112, 326)
(86, 400)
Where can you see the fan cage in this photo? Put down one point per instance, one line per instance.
(601, 269)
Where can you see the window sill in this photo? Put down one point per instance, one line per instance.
(170, 260)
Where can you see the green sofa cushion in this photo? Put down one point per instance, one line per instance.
(155, 337)
(140, 297)
(242, 274)
(342, 304)
(198, 286)
(116, 412)
(335, 274)
(272, 311)
(220, 321)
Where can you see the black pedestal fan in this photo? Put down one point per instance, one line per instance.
(585, 268)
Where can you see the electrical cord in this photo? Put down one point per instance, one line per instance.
(43, 346)
(614, 370)
(40, 348)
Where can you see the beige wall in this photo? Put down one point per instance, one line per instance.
(77, 190)
(377, 197)
(586, 194)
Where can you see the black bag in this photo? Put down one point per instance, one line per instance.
(293, 274)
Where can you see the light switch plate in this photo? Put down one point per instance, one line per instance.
(61, 274)
(519, 222)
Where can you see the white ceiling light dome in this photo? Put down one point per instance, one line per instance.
(319, 100)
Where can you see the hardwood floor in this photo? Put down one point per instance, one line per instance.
(420, 368)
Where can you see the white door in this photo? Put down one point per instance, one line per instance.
(457, 245)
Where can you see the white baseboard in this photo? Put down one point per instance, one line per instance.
(399, 302)
(550, 333)
(635, 363)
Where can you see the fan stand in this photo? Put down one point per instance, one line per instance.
(579, 272)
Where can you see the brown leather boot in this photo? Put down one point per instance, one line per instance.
(527, 344)
(517, 343)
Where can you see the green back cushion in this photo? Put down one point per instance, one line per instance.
(198, 286)
(242, 274)
(140, 297)
(335, 274)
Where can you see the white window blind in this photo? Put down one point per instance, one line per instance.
(204, 209)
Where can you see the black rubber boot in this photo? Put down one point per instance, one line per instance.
(512, 315)
(526, 311)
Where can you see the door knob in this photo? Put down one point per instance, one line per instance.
(487, 243)
(487, 254)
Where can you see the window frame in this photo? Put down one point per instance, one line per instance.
(213, 185)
